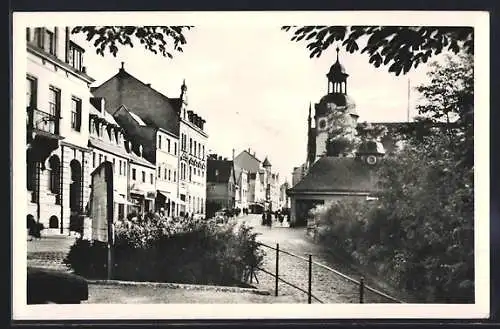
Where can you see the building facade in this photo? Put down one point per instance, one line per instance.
(192, 187)
(263, 183)
(141, 183)
(221, 184)
(57, 113)
(107, 143)
(241, 199)
(173, 137)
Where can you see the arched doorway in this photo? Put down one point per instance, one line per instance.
(75, 195)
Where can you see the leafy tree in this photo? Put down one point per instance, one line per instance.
(403, 47)
(420, 231)
(157, 39)
(341, 134)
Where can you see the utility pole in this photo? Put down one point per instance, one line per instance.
(408, 101)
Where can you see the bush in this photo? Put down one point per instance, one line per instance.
(419, 234)
(183, 251)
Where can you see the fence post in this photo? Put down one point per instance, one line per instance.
(309, 290)
(277, 269)
(361, 289)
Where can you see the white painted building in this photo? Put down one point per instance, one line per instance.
(57, 110)
(192, 159)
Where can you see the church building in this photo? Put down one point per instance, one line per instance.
(332, 172)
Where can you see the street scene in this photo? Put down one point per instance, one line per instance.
(287, 164)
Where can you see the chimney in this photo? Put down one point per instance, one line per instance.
(220, 158)
(123, 67)
(225, 159)
(140, 150)
(148, 84)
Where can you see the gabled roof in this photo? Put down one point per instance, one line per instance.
(168, 119)
(137, 119)
(338, 174)
(219, 171)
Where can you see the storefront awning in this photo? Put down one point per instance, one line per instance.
(163, 194)
(118, 198)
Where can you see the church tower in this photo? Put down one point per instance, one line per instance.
(335, 109)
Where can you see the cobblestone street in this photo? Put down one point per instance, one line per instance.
(326, 286)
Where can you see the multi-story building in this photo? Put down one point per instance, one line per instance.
(263, 187)
(241, 198)
(57, 113)
(221, 184)
(141, 182)
(160, 147)
(107, 143)
(192, 159)
(150, 119)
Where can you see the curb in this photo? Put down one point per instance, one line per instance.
(181, 286)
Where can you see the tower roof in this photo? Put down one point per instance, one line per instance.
(266, 163)
(337, 70)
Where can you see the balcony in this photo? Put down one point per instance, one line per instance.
(42, 130)
(42, 122)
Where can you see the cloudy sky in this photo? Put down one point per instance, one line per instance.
(254, 86)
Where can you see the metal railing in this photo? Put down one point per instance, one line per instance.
(360, 283)
(43, 121)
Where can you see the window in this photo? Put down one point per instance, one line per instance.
(76, 113)
(175, 176)
(175, 148)
(114, 167)
(105, 158)
(168, 145)
(31, 92)
(93, 160)
(190, 146)
(194, 148)
(75, 56)
(54, 101)
(100, 158)
(203, 154)
(133, 174)
(159, 142)
(120, 164)
(159, 172)
(165, 174)
(143, 176)
(169, 176)
(49, 44)
(151, 178)
(190, 172)
(124, 168)
(55, 174)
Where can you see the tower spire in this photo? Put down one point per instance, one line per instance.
(338, 49)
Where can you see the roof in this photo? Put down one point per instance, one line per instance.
(338, 174)
(106, 116)
(134, 158)
(162, 115)
(266, 163)
(137, 118)
(108, 147)
(219, 171)
(340, 100)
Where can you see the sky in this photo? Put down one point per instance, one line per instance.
(253, 86)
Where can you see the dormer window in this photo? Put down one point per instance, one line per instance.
(75, 56)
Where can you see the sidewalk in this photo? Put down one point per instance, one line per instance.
(144, 294)
(49, 252)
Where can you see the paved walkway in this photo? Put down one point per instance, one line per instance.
(49, 252)
(326, 286)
